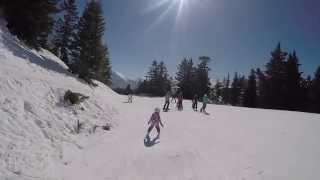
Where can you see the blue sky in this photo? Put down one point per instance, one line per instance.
(236, 34)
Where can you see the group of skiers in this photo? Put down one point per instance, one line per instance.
(155, 120)
(173, 98)
(179, 96)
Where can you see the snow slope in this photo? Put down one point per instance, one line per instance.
(229, 144)
(37, 139)
(35, 122)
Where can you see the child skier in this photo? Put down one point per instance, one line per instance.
(173, 97)
(155, 121)
(180, 99)
(195, 102)
(205, 100)
(167, 102)
(129, 93)
(130, 97)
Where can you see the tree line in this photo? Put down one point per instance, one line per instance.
(280, 86)
(191, 79)
(56, 25)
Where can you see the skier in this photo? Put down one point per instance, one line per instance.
(195, 102)
(180, 99)
(130, 97)
(167, 101)
(205, 100)
(155, 121)
(173, 97)
(129, 93)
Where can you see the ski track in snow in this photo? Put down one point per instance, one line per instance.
(37, 139)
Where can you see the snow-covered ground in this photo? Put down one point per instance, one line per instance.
(229, 144)
(35, 123)
(37, 138)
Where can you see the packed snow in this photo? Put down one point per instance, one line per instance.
(38, 139)
(229, 144)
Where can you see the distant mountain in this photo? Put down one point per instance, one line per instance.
(121, 81)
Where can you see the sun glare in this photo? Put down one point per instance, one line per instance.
(177, 5)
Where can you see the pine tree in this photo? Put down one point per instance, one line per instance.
(94, 57)
(315, 92)
(65, 37)
(104, 67)
(217, 93)
(151, 78)
(263, 92)
(143, 87)
(242, 85)
(186, 78)
(250, 95)
(237, 89)
(57, 39)
(306, 86)
(128, 90)
(31, 21)
(202, 80)
(164, 79)
(275, 76)
(157, 81)
(226, 90)
(293, 91)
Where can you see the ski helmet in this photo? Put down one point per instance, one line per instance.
(157, 110)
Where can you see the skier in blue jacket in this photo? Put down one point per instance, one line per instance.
(205, 101)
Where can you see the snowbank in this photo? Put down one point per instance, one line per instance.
(35, 122)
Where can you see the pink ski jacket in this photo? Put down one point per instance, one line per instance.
(155, 119)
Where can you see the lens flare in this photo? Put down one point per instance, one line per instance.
(168, 5)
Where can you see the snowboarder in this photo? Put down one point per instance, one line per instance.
(205, 100)
(167, 101)
(155, 121)
(195, 102)
(180, 99)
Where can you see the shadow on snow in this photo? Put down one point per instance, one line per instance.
(149, 143)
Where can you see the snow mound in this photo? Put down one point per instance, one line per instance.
(35, 121)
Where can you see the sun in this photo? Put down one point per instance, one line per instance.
(176, 5)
